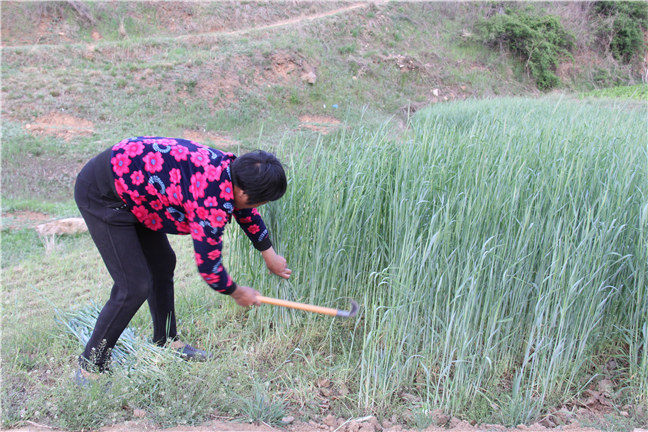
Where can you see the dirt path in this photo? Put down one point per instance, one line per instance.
(222, 426)
(282, 23)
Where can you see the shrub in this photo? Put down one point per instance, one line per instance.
(541, 41)
(621, 26)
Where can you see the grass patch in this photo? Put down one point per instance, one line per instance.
(638, 92)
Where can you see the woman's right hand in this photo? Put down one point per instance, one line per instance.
(246, 296)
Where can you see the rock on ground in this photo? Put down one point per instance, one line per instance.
(67, 226)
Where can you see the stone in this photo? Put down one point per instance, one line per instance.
(309, 77)
(288, 419)
(435, 92)
(69, 226)
(330, 420)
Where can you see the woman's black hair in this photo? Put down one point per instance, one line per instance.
(260, 175)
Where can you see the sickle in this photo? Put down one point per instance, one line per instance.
(312, 308)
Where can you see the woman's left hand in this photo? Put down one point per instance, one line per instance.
(276, 263)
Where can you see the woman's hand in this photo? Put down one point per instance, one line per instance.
(276, 263)
(246, 296)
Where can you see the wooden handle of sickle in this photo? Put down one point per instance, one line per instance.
(301, 306)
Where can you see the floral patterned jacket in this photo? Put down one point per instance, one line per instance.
(177, 186)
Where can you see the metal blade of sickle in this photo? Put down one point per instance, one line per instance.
(312, 308)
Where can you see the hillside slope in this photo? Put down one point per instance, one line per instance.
(227, 74)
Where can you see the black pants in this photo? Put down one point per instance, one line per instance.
(140, 261)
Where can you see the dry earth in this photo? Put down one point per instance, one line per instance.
(61, 125)
(319, 123)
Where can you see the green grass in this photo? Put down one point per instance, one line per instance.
(498, 250)
(638, 92)
(498, 245)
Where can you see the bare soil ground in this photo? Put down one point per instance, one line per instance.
(319, 123)
(172, 18)
(209, 137)
(311, 427)
(61, 125)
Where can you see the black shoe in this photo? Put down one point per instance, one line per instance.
(85, 379)
(190, 353)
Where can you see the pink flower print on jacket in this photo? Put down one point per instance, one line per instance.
(174, 192)
(150, 189)
(136, 197)
(202, 213)
(254, 229)
(121, 186)
(137, 177)
(120, 164)
(211, 278)
(190, 208)
(153, 221)
(175, 176)
(200, 158)
(181, 228)
(211, 202)
(179, 153)
(153, 162)
(140, 212)
(196, 230)
(212, 172)
(218, 218)
(214, 255)
(198, 185)
(157, 205)
(176, 186)
(134, 148)
(227, 192)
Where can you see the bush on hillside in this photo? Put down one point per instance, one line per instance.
(621, 27)
(540, 41)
